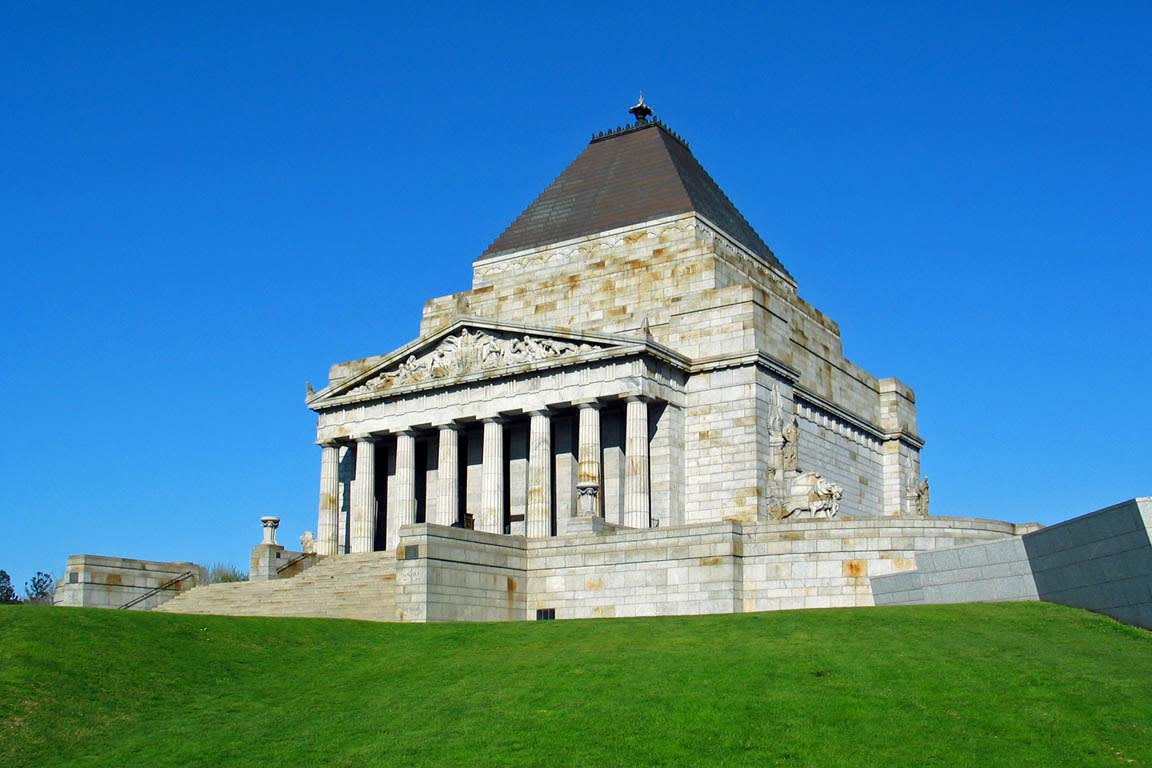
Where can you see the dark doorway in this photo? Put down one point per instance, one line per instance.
(384, 450)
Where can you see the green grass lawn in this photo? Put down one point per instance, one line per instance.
(971, 685)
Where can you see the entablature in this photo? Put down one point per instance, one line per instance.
(474, 350)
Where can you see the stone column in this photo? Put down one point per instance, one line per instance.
(405, 479)
(539, 516)
(491, 517)
(588, 473)
(328, 521)
(364, 496)
(637, 492)
(448, 476)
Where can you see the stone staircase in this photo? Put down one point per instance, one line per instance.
(361, 586)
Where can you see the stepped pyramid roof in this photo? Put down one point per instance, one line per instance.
(627, 176)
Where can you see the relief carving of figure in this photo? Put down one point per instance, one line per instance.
(811, 495)
(917, 491)
(789, 451)
(776, 410)
(469, 352)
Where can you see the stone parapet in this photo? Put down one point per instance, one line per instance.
(99, 581)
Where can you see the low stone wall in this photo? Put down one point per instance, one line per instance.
(453, 574)
(809, 564)
(1101, 561)
(97, 581)
(687, 569)
(448, 574)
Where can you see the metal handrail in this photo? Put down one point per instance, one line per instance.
(157, 590)
(293, 561)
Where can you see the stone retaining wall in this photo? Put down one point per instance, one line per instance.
(450, 574)
(1101, 561)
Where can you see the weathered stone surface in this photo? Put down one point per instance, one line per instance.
(97, 581)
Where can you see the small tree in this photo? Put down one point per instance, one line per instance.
(7, 592)
(40, 589)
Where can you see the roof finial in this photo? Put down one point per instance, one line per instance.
(641, 110)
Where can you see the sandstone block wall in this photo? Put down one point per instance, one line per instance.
(721, 452)
(96, 581)
(738, 326)
(449, 574)
(845, 455)
(684, 570)
(452, 574)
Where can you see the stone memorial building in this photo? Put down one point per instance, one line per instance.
(631, 350)
(630, 412)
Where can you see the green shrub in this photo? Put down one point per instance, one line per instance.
(223, 573)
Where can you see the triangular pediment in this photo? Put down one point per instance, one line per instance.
(471, 349)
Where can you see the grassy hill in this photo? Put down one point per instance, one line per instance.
(979, 685)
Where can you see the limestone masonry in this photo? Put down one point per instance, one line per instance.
(630, 412)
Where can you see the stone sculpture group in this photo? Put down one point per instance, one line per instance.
(470, 352)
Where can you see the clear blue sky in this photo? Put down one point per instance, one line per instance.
(203, 206)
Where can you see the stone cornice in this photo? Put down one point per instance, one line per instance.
(862, 424)
(718, 362)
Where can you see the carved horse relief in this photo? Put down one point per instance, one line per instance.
(811, 495)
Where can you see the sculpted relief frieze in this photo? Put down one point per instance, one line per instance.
(472, 352)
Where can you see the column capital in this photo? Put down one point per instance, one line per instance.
(368, 438)
(492, 420)
(588, 403)
(636, 398)
(449, 426)
(403, 433)
(548, 412)
(329, 443)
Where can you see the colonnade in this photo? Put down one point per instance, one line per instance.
(401, 503)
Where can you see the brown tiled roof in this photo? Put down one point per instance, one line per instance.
(625, 177)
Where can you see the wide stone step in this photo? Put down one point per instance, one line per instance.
(358, 586)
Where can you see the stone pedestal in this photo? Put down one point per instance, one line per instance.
(586, 493)
(267, 555)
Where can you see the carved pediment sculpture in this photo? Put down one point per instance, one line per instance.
(471, 352)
